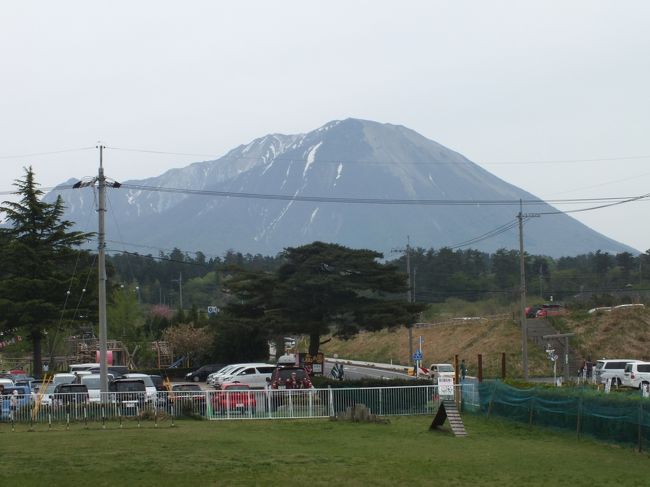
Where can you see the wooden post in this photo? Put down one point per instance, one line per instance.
(579, 422)
(503, 366)
(457, 386)
(479, 373)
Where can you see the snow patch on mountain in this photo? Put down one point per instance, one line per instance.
(311, 157)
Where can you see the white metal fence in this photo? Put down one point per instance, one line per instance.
(225, 405)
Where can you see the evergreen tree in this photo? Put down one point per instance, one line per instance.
(37, 261)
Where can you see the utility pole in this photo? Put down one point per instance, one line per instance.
(101, 248)
(522, 288)
(409, 294)
(100, 180)
(522, 291)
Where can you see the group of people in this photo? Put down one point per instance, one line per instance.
(586, 369)
(337, 371)
(293, 382)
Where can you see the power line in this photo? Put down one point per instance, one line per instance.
(379, 201)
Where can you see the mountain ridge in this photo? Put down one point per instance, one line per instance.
(336, 164)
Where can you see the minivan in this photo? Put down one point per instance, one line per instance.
(253, 375)
(613, 369)
(637, 374)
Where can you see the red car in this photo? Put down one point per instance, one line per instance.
(234, 397)
(551, 310)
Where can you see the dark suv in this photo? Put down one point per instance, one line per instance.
(201, 374)
(130, 395)
(65, 394)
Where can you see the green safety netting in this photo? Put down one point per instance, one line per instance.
(617, 417)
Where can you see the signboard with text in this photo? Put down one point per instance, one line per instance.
(446, 386)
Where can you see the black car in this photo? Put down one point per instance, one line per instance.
(201, 374)
(71, 394)
(130, 395)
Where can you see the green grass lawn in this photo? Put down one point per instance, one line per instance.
(312, 452)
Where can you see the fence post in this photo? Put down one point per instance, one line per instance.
(479, 372)
(503, 366)
(579, 421)
(640, 421)
(494, 389)
(531, 409)
(331, 401)
(381, 406)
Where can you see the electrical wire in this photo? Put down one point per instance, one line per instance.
(379, 201)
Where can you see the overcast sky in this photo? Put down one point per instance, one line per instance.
(551, 96)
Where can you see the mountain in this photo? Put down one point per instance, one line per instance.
(337, 165)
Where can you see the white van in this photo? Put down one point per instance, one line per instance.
(253, 375)
(636, 374)
(92, 382)
(613, 369)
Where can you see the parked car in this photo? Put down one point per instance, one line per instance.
(613, 369)
(159, 383)
(22, 396)
(70, 394)
(130, 395)
(282, 377)
(201, 374)
(234, 398)
(551, 309)
(188, 395)
(150, 388)
(211, 379)
(531, 311)
(254, 375)
(636, 374)
(64, 378)
(93, 383)
(441, 370)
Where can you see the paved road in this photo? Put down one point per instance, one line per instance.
(355, 372)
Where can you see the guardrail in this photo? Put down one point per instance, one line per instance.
(226, 405)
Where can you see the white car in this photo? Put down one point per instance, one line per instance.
(613, 369)
(92, 382)
(254, 375)
(636, 374)
(441, 370)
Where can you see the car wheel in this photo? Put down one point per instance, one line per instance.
(196, 378)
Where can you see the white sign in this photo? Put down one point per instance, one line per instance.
(213, 310)
(446, 386)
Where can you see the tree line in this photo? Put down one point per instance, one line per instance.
(48, 287)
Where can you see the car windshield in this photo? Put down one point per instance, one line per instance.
(130, 386)
(445, 368)
(144, 378)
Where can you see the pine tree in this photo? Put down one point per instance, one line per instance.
(37, 257)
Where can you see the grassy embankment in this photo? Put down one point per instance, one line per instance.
(623, 333)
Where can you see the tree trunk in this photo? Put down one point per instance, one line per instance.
(314, 342)
(37, 367)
